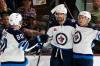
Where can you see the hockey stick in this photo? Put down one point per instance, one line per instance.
(69, 10)
(39, 51)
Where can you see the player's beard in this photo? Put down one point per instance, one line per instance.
(61, 20)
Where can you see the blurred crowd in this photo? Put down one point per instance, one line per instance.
(31, 25)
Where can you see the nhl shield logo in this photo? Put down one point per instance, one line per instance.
(61, 38)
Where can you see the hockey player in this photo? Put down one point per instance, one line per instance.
(13, 43)
(60, 37)
(83, 37)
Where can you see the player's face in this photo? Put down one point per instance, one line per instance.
(97, 3)
(60, 17)
(83, 21)
(5, 20)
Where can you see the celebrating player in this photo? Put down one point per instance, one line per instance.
(60, 37)
(83, 37)
(13, 43)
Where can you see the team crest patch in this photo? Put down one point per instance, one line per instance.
(77, 37)
(61, 38)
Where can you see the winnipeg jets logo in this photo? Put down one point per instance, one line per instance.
(77, 37)
(61, 38)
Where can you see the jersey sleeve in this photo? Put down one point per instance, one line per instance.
(50, 35)
(20, 38)
(50, 32)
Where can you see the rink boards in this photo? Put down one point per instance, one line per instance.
(45, 60)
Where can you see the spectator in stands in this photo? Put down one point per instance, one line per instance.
(96, 16)
(96, 11)
(96, 19)
(4, 21)
(3, 14)
(13, 4)
(29, 17)
(3, 6)
(26, 9)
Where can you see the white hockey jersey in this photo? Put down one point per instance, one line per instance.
(83, 38)
(12, 53)
(61, 36)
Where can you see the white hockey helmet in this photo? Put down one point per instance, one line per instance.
(59, 9)
(86, 14)
(15, 19)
